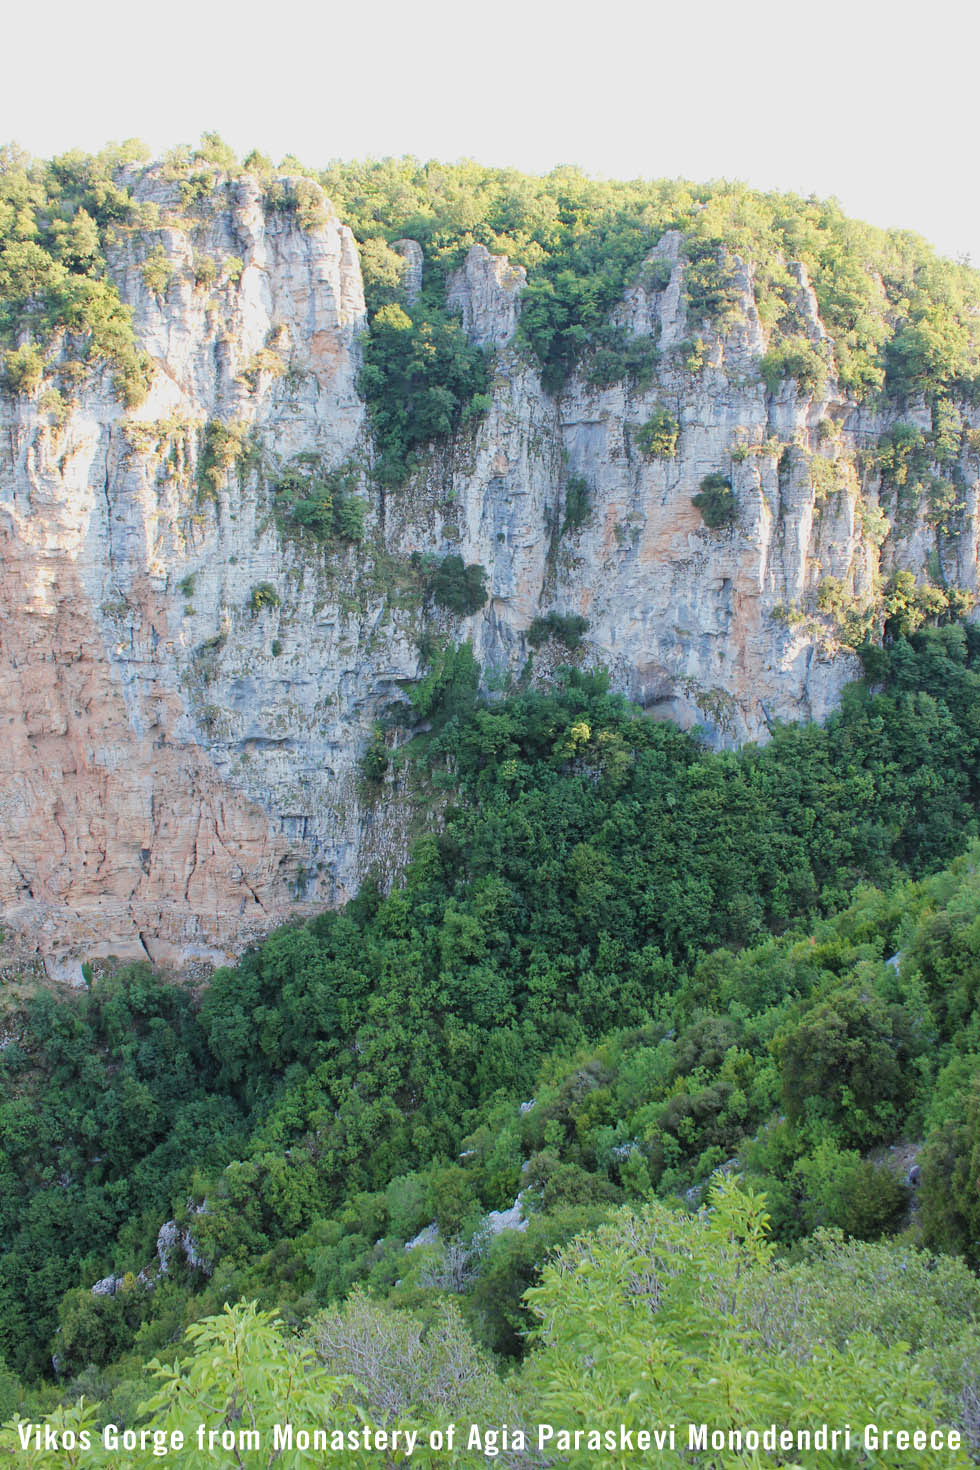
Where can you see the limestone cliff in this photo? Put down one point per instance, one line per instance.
(181, 762)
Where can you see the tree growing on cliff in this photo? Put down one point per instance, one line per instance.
(716, 502)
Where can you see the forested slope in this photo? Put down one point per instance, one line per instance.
(652, 1055)
(659, 951)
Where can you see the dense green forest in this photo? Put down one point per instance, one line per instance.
(605, 1113)
(622, 964)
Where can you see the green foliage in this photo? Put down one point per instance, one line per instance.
(901, 455)
(322, 503)
(129, 1109)
(897, 315)
(716, 501)
(618, 357)
(265, 364)
(224, 446)
(23, 370)
(657, 438)
(300, 197)
(567, 628)
(692, 354)
(460, 588)
(832, 1186)
(854, 619)
(354, 1076)
(578, 504)
(214, 149)
(244, 1375)
(947, 431)
(794, 357)
(654, 1320)
(55, 221)
(422, 380)
(95, 1329)
(951, 1171)
(711, 291)
(909, 605)
(157, 270)
(375, 760)
(263, 595)
(424, 1367)
(903, 459)
(449, 686)
(850, 1066)
(933, 350)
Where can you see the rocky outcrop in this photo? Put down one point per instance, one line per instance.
(124, 832)
(181, 762)
(171, 1240)
(411, 253)
(486, 291)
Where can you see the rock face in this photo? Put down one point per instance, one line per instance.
(181, 761)
(487, 294)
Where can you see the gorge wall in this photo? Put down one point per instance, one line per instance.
(187, 689)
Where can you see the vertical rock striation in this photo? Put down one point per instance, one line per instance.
(181, 761)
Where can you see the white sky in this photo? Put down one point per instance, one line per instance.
(873, 102)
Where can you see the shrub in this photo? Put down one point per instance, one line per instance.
(693, 354)
(908, 606)
(205, 271)
(322, 502)
(578, 504)
(716, 502)
(157, 271)
(655, 274)
(375, 760)
(950, 1170)
(618, 356)
(215, 150)
(567, 628)
(133, 376)
(460, 588)
(903, 456)
(657, 438)
(947, 431)
(301, 197)
(421, 378)
(348, 517)
(710, 286)
(793, 357)
(263, 595)
(223, 446)
(23, 370)
(264, 363)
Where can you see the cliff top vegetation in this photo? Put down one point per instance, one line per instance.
(901, 320)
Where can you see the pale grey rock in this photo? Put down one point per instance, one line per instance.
(513, 1219)
(411, 253)
(428, 1235)
(108, 1286)
(621, 1151)
(170, 786)
(167, 1238)
(486, 291)
(171, 1238)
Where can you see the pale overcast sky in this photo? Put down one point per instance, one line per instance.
(872, 102)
